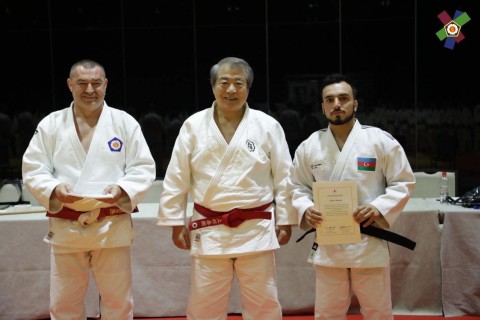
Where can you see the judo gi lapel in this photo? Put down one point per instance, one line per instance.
(229, 152)
(72, 132)
(90, 159)
(345, 153)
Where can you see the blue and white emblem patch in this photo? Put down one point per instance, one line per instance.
(115, 145)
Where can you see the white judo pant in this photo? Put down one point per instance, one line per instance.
(334, 287)
(211, 283)
(69, 278)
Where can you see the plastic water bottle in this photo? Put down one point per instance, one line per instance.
(443, 187)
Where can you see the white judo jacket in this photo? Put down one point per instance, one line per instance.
(248, 172)
(387, 187)
(118, 154)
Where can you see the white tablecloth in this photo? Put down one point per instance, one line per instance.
(161, 271)
(460, 259)
(25, 268)
(416, 275)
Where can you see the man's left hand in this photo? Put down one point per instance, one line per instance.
(115, 191)
(366, 215)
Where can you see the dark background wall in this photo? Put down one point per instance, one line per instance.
(157, 55)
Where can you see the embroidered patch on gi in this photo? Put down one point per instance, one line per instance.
(115, 145)
(250, 145)
(49, 235)
(366, 164)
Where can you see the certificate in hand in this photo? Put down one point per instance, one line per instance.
(336, 200)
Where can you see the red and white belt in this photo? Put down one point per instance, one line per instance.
(232, 218)
(70, 214)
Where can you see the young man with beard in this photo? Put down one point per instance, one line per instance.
(347, 150)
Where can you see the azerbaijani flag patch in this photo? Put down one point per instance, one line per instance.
(366, 164)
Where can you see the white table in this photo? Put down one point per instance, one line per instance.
(416, 275)
(460, 259)
(161, 272)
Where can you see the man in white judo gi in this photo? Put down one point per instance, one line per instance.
(347, 150)
(89, 166)
(234, 161)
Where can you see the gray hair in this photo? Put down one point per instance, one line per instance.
(234, 63)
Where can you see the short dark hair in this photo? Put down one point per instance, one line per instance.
(88, 64)
(337, 78)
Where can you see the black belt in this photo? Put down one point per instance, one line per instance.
(379, 233)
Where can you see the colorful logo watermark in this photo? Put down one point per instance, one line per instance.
(451, 30)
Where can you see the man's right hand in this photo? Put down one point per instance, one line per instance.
(62, 193)
(181, 237)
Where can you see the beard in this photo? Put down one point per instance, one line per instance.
(338, 121)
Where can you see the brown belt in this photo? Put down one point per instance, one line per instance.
(232, 218)
(70, 214)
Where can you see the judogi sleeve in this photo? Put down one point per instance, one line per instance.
(37, 162)
(139, 166)
(400, 180)
(299, 184)
(281, 162)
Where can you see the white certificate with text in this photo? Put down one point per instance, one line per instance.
(336, 200)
